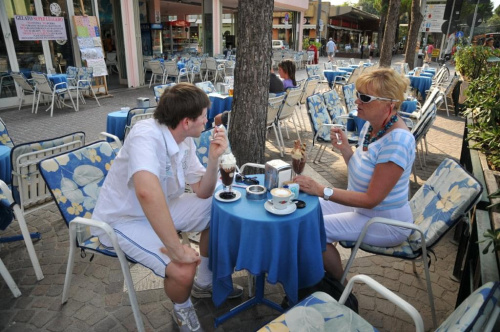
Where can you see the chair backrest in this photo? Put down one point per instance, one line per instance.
(21, 80)
(171, 68)
(202, 145)
(291, 100)
(354, 75)
(159, 89)
(4, 135)
(28, 188)
(328, 66)
(211, 64)
(349, 97)
(273, 108)
(309, 88)
(476, 311)
(318, 115)
(441, 75)
(137, 114)
(206, 86)
(42, 83)
(111, 56)
(448, 194)
(85, 75)
(156, 67)
(72, 72)
(334, 106)
(313, 70)
(76, 177)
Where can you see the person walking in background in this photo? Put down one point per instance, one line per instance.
(362, 50)
(428, 53)
(286, 70)
(108, 43)
(372, 50)
(330, 49)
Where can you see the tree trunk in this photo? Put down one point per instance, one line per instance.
(247, 127)
(389, 33)
(415, 21)
(383, 20)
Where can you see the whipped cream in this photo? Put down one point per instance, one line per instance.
(228, 161)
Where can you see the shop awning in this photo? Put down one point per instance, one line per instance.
(342, 28)
(282, 26)
(309, 26)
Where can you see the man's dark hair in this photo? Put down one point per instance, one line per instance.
(183, 100)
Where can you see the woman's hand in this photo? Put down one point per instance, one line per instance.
(308, 185)
(338, 138)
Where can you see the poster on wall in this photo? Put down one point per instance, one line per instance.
(90, 44)
(40, 27)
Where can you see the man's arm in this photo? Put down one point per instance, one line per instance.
(153, 203)
(205, 187)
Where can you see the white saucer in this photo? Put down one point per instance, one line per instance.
(289, 209)
(236, 192)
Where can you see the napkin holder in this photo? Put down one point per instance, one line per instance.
(276, 173)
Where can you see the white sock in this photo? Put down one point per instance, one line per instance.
(204, 275)
(186, 304)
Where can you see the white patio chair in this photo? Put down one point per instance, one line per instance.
(288, 110)
(157, 70)
(26, 86)
(57, 92)
(273, 108)
(84, 83)
(171, 70)
(112, 62)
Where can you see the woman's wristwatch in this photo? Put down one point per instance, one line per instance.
(327, 193)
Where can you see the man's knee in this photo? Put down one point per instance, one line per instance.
(181, 274)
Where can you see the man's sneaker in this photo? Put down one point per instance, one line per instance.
(200, 292)
(187, 319)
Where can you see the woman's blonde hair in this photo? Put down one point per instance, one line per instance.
(386, 83)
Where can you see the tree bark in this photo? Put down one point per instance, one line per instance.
(389, 33)
(383, 21)
(247, 127)
(415, 21)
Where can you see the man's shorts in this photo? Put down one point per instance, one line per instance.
(139, 241)
(331, 53)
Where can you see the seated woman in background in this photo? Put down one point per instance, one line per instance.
(286, 70)
(378, 171)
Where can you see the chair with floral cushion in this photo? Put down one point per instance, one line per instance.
(202, 145)
(159, 89)
(10, 209)
(5, 139)
(441, 202)
(75, 179)
(206, 86)
(315, 70)
(320, 123)
(137, 114)
(334, 106)
(321, 312)
(84, 83)
(72, 73)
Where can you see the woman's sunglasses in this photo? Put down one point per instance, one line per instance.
(368, 98)
(246, 180)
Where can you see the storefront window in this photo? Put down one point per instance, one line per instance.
(61, 50)
(29, 53)
(7, 88)
(87, 7)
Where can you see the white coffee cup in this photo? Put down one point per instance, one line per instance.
(282, 197)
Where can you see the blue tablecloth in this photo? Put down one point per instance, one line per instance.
(58, 78)
(243, 235)
(409, 106)
(218, 104)
(181, 65)
(424, 73)
(332, 75)
(349, 69)
(116, 123)
(354, 66)
(355, 122)
(421, 83)
(5, 166)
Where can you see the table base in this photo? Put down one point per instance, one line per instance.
(257, 299)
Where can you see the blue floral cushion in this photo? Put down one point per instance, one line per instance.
(313, 70)
(350, 97)
(72, 73)
(318, 312)
(474, 312)
(318, 114)
(159, 89)
(334, 106)
(75, 178)
(206, 86)
(85, 75)
(4, 135)
(202, 145)
(436, 207)
(6, 213)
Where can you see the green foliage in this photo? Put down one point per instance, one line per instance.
(482, 103)
(308, 42)
(493, 237)
(368, 6)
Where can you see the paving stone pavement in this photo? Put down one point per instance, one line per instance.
(98, 300)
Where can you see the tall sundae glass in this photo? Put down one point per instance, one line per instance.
(227, 167)
(299, 157)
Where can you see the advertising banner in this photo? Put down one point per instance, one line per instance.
(40, 27)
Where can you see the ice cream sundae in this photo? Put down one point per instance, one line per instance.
(298, 157)
(227, 168)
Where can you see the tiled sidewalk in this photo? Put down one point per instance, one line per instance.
(97, 300)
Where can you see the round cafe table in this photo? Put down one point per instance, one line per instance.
(116, 123)
(5, 166)
(288, 248)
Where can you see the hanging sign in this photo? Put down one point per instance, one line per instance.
(40, 27)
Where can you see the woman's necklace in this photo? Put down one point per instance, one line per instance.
(381, 132)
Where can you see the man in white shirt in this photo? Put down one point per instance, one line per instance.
(143, 197)
(330, 49)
